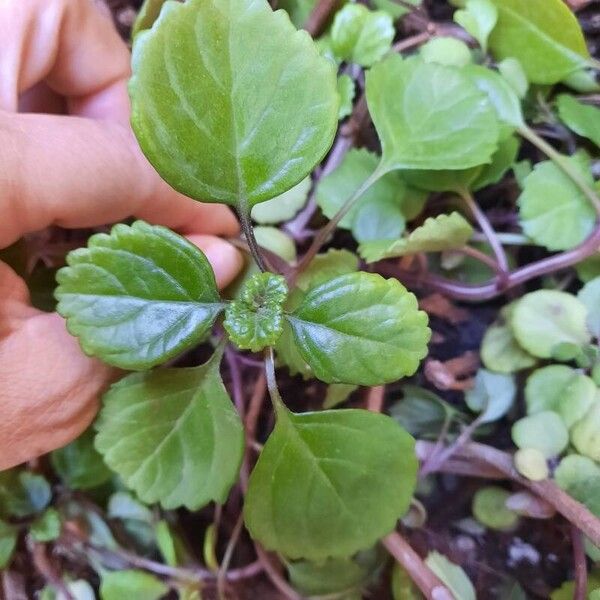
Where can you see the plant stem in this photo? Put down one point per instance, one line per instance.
(507, 239)
(231, 544)
(329, 228)
(581, 578)
(487, 229)
(274, 575)
(425, 579)
(248, 230)
(563, 163)
(278, 404)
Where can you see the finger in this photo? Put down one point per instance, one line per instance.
(70, 45)
(76, 172)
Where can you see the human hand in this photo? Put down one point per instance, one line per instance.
(80, 170)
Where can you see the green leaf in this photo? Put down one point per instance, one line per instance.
(444, 232)
(429, 116)
(116, 585)
(501, 353)
(502, 161)
(421, 412)
(478, 18)
(446, 51)
(139, 296)
(46, 527)
(489, 508)
(8, 543)
(170, 544)
(79, 465)
(122, 505)
(583, 119)
(229, 102)
(343, 576)
(276, 241)
(326, 266)
(360, 328)
(378, 221)
(585, 434)
(561, 389)
(543, 35)
(255, 319)
(532, 464)
(554, 212)
(79, 590)
(579, 476)
(394, 9)
(546, 318)
(512, 71)
(173, 435)
(582, 81)
(299, 10)
(23, 493)
(589, 268)
(336, 187)
(543, 431)
(493, 395)
(338, 393)
(330, 483)
(284, 207)
(147, 16)
(452, 576)
(403, 587)
(346, 90)
(589, 294)
(360, 35)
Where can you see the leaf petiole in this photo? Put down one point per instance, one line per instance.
(248, 230)
(276, 400)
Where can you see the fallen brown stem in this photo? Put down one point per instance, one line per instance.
(375, 398)
(320, 15)
(425, 579)
(580, 562)
(275, 575)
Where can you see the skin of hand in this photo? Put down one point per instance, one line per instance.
(68, 157)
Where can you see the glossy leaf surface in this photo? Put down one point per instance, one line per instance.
(230, 102)
(330, 483)
(139, 296)
(173, 435)
(360, 328)
(429, 116)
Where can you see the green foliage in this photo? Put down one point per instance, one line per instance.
(479, 19)
(451, 575)
(116, 585)
(8, 543)
(554, 212)
(346, 90)
(342, 479)
(381, 319)
(492, 395)
(429, 116)
(583, 119)
(227, 129)
(361, 36)
(500, 351)
(511, 69)
(444, 232)
(489, 508)
(79, 465)
(544, 319)
(446, 51)
(139, 296)
(580, 477)
(22, 493)
(543, 35)
(255, 319)
(285, 206)
(531, 463)
(46, 527)
(585, 434)
(543, 431)
(148, 14)
(277, 242)
(589, 295)
(155, 426)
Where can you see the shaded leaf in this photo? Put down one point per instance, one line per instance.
(360, 35)
(147, 16)
(23, 493)
(122, 505)
(553, 210)
(276, 241)
(451, 575)
(299, 10)
(543, 35)
(255, 319)
(330, 483)
(46, 527)
(489, 508)
(589, 294)
(173, 435)
(8, 543)
(283, 207)
(360, 328)
(139, 296)
(500, 351)
(229, 102)
(393, 8)
(429, 116)
(116, 585)
(546, 318)
(79, 464)
(346, 90)
(443, 232)
(338, 393)
(579, 476)
(493, 395)
(585, 434)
